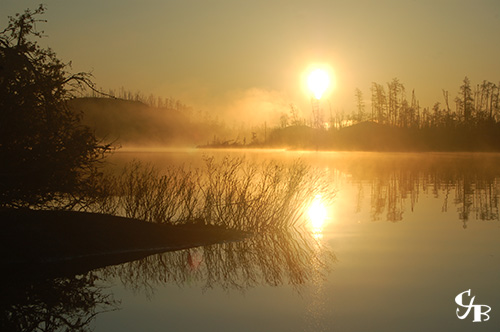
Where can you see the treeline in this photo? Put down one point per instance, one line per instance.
(396, 122)
(149, 100)
(393, 120)
(390, 104)
(473, 106)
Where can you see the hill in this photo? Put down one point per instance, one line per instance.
(135, 123)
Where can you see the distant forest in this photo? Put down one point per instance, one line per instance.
(474, 107)
(393, 122)
(471, 122)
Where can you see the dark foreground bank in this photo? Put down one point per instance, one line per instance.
(68, 242)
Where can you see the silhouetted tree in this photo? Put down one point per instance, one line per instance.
(414, 111)
(437, 115)
(47, 155)
(360, 105)
(396, 95)
(465, 102)
(379, 103)
(295, 120)
(449, 116)
(486, 101)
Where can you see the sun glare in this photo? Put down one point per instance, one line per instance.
(318, 81)
(317, 213)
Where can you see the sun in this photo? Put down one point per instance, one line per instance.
(318, 81)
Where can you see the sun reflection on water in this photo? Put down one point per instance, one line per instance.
(317, 216)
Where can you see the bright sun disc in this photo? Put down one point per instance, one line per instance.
(318, 81)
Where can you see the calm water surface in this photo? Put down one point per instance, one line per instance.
(404, 236)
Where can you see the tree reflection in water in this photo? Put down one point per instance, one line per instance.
(273, 258)
(471, 185)
(60, 304)
(290, 256)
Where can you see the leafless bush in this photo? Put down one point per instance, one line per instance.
(232, 193)
(276, 258)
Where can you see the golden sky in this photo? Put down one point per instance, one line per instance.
(226, 54)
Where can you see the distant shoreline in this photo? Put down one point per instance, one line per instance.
(373, 137)
(136, 124)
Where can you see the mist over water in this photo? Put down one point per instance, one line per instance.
(392, 183)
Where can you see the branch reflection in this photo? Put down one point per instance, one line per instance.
(60, 304)
(275, 258)
(287, 257)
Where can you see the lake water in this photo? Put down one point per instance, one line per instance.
(404, 236)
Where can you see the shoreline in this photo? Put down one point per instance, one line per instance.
(69, 242)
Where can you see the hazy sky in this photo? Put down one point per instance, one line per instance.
(250, 56)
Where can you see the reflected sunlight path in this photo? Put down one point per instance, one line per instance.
(317, 216)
